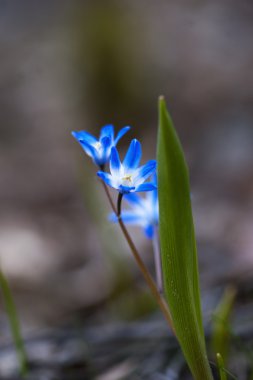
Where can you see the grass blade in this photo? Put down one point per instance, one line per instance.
(14, 324)
(223, 375)
(221, 335)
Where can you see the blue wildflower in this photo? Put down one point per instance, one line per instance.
(99, 149)
(143, 212)
(127, 177)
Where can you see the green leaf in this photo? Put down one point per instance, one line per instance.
(178, 247)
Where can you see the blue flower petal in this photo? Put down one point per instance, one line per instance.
(89, 149)
(143, 172)
(84, 136)
(112, 217)
(148, 186)
(121, 134)
(153, 197)
(133, 156)
(107, 178)
(108, 131)
(126, 189)
(134, 199)
(154, 178)
(106, 149)
(105, 142)
(115, 163)
(149, 231)
(128, 217)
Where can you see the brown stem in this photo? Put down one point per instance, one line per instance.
(160, 300)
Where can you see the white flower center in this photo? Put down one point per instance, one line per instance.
(127, 180)
(98, 145)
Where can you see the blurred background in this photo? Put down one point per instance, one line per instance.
(73, 65)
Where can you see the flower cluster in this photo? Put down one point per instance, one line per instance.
(128, 177)
(143, 211)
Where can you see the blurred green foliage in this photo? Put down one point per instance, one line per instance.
(115, 85)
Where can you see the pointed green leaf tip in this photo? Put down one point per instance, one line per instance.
(178, 247)
(222, 371)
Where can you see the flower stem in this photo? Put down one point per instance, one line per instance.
(120, 197)
(157, 260)
(149, 280)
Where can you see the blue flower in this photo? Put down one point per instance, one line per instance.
(144, 212)
(99, 149)
(127, 177)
